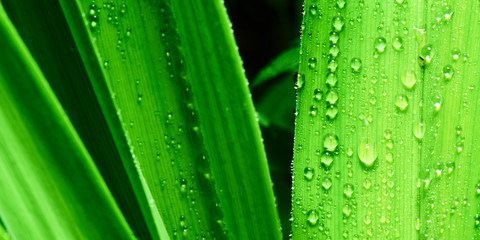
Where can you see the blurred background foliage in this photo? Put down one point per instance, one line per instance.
(267, 34)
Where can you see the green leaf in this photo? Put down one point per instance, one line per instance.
(50, 186)
(175, 79)
(400, 158)
(70, 81)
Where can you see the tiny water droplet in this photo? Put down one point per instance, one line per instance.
(356, 65)
(367, 152)
(401, 101)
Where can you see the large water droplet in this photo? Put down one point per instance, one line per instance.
(327, 183)
(341, 4)
(409, 79)
(367, 152)
(380, 44)
(401, 101)
(313, 111)
(437, 101)
(308, 173)
(419, 130)
(326, 159)
(317, 95)
(312, 218)
(356, 64)
(331, 80)
(300, 81)
(330, 142)
(448, 72)
(332, 111)
(332, 97)
(426, 54)
(312, 63)
(338, 23)
(348, 190)
(397, 43)
(313, 9)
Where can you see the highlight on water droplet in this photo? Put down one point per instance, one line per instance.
(367, 152)
(409, 79)
(401, 101)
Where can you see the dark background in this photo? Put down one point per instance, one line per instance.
(264, 29)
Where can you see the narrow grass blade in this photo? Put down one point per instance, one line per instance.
(4, 234)
(57, 56)
(50, 186)
(385, 145)
(181, 114)
(286, 62)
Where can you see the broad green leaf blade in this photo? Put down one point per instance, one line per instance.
(171, 104)
(230, 131)
(377, 153)
(50, 186)
(3, 233)
(70, 83)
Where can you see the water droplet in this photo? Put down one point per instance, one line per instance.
(330, 142)
(332, 111)
(348, 190)
(448, 72)
(332, 97)
(437, 101)
(105, 64)
(477, 189)
(333, 51)
(300, 81)
(317, 95)
(419, 130)
(312, 218)
(401, 101)
(334, 37)
(367, 152)
(327, 183)
(313, 111)
(397, 43)
(367, 184)
(341, 4)
(331, 80)
(380, 44)
(356, 64)
(347, 210)
(326, 159)
(409, 79)
(123, 9)
(427, 54)
(332, 65)
(313, 10)
(399, 1)
(308, 173)
(338, 23)
(455, 54)
(312, 63)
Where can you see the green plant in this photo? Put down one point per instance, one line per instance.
(133, 119)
